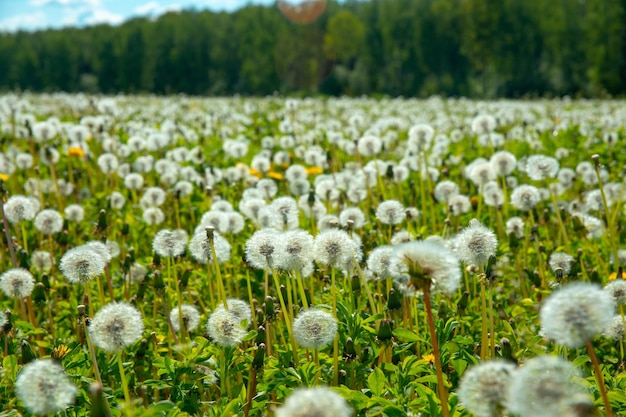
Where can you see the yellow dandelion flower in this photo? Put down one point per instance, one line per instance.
(256, 173)
(275, 175)
(60, 351)
(613, 276)
(4, 177)
(314, 170)
(430, 358)
(75, 151)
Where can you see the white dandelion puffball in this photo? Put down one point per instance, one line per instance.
(44, 388)
(225, 328)
(81, 264)
(576, 313)
(17, 282)
(314, 402)
(116, 326)
(475, 244)
(314, 328)
(191, 317)
(483, 389)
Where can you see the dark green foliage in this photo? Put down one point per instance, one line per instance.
(483, 48)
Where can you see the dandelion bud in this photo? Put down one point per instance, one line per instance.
(270, 312)
(259, 356)
(39, 293)
(27, 352)
(385, 330)
(394, 300)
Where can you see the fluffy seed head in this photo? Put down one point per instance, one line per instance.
(191, 318)
(390, 212)
(503, 163)
(475, 244)
(561, 260)
(615, 330)
(44, 388)
(296, 250)
(49, 222)
(617, 290)
(314, 402)
(314, 328)
(515, 225)
(225, 328)
(427, 260)
(540, 167)
(333, 247)
(262, 247)
(525, 197)
(81, 264)
(379, 261)
(17, 282)
(41, 260)
(19, 208)
(545, 386)
(483, 389)
(574, 314)
(444, 190)
(170, 243)
(116, 326)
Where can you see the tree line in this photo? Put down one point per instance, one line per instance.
(479, 48)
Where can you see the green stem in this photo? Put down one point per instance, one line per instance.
(123, 377)
(441, 388)
(596, 369)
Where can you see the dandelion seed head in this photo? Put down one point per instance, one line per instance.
(153, 216)
(115, 326)
(515, 226)
(615, 329)
(191, 317)
(617, 290)
(169, 243)
(225, 328)
(333, 247)
(353, 214)
(200, 247)
(19, 208)
(544, 387)
(44, 388)
(475, 244)
(562, 261)
(503, 163)
(575, 313)
(74, 213)
(541, 167)
(314, 328)
(390, 212)
(444, 190)
(41, 260)
(48, 222)
(483, 124)
(17, 283)
(436, 263)
(295, 251)
(314, 402)
(525, 197)
(379, 261)
(484, 387)
(81, 264)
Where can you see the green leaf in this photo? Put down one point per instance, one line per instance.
(405, 335)
(376, 382)
(393, 411)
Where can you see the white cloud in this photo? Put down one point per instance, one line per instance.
(147, 8)
(90, 3)
(154, 9)
(103, 16)
(226, 5)
(26, 21)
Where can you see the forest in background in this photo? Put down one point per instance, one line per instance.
(475, 48)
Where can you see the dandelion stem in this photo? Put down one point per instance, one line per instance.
(123, 377)
(484, 343)
(441, 388)
(596, 369)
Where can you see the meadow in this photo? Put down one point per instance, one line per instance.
(170, 256)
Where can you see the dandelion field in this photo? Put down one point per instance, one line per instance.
(397, 257)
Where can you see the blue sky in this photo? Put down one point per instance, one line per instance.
(40, 14)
